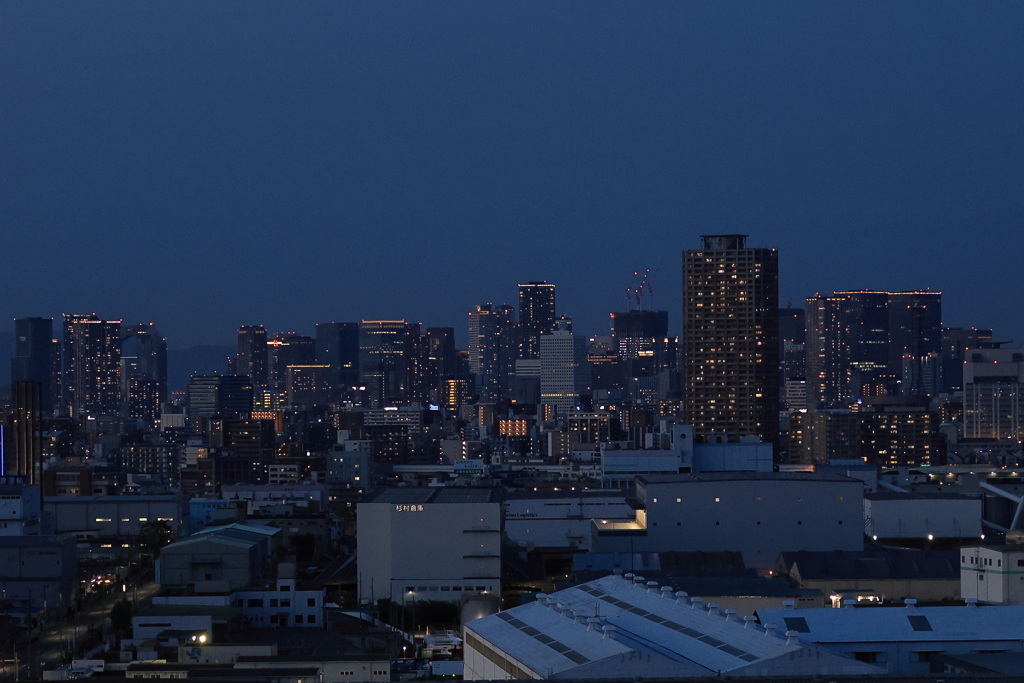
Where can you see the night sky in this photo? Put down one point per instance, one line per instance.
(207, 164)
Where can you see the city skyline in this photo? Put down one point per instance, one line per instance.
(268, 168)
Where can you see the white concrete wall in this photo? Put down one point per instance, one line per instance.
(436, 548)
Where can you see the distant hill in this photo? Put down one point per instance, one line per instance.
(197, 360)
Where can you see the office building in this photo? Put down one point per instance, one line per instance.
(868, 343)
(387, 360)
(35, 354)
(439, 364)
(731, 338)
(92, 366)
(308, 386)
(640, 334)
(536, 316)
(915, 341)
(955, 342)
(564, 373)
(219, 396)
(337, 345)
(287, 349)
(252, 359)
(993, 382)
(24, 436)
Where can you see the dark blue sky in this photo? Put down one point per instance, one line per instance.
(203, 165)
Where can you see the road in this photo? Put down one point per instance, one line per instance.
(59, 639)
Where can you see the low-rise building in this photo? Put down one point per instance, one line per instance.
(904, 515)
(617, 628)
(884, 575)
(993, 574)
(429, 543)
(760, 514)
(904, 640)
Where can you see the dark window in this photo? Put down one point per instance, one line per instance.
(273, 602)
(285, 589)
(798, 624)
(311, 619)
(799, 522)
(286, 603)
(255, 602)
(920, 623)
(298, 618)
(868, 657)
(311, 602)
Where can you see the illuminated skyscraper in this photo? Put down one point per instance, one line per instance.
(144, 375)
(564, 373)
(536, 316)
(731, 338)
(861, 343)
(492, 350)
(252, 353)
(92, 366)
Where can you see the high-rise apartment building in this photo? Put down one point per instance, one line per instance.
(144, 375)
(492, 350)
(536, 316)
(252, 354)
(92, 366)
(731, 338)
(34, 358)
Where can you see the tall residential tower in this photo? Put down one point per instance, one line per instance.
(731, 338)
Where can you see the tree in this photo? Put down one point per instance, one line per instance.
(154, 535)
(304, 545)
(121, 615)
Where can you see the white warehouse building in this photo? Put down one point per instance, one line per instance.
(429, 543)
(621, 627)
